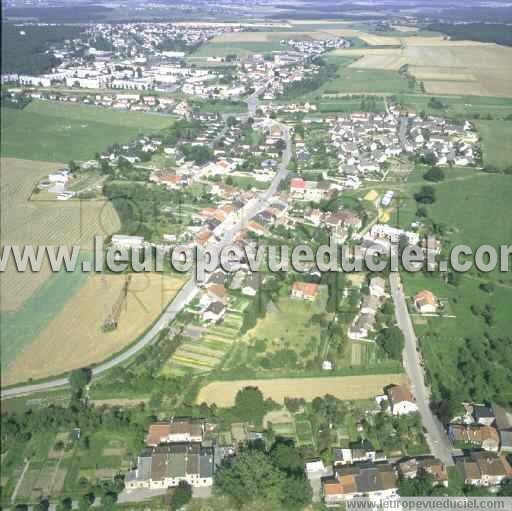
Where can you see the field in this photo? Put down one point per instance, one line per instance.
(485, 196)
(41, 222)
(241, 48)
(445, 67)
(496, 142)
(459, 106)
(74, 337)
(54, 131)
(342, 387)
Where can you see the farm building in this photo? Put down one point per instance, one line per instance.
(425, 302)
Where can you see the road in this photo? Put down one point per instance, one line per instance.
(228, 230)
(438, 441)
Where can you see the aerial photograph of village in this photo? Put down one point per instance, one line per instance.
(256, 255)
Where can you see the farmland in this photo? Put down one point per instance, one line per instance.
(43, 222)
(343, 387)
(445, 67)
(54, 131)
(74, 337)
(496, 146)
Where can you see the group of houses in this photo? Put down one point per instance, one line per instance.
(364, 321)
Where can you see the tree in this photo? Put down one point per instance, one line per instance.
(426, 195)
(391, 340)
(182, 495)
(434, 174)
(421, 486)
(296, 493)
(250, 405)
(79, 378)
(286, 457)
(66, 504)
(86, 501)
(251, 477)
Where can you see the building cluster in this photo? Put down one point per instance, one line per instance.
(446, 142)
(364, 142)
(364, 321)
(175, 451)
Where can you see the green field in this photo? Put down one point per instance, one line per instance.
(346, 105)
(238, 48)
(459, 106)
(474, 208)
(496, 142)
(442, 338)
(19, 328)
(61, 132)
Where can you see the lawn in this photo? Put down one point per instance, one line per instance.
(441, 338)
(362, 81)
(62, 132)
(90, 113)
(496, 142)
(470, 204)
(459, 106)
(242, 49)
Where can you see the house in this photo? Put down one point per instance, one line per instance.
(174, 431)
(252, 284)
(483, 415)
(127, 242)
(475, 435)
(214, 312)
(314, 467)
(166, 466)
(410, 469)
(504, 426)
(304, 291)
(362, 326)
(481, 468)
(358, 452)
(425, 302)
(401, 400)
(377, 481)
(370, 304)
(377, 287)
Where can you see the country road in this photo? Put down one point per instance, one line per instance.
(438, 441)
(226, 233)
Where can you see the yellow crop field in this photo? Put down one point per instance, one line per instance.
(42, 222)
(74, 338)
(223, 393)
(446, 67)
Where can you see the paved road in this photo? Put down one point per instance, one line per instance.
(436, 437)
(229, 229)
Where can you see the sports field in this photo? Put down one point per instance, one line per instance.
(74, 337)
(53, 131)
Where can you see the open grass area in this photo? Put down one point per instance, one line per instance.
(62, 131)
(241, 49)
(470, 205)
(496, 142)
(459, 106)
(442, 338)
(350, 80)
(86, 113)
